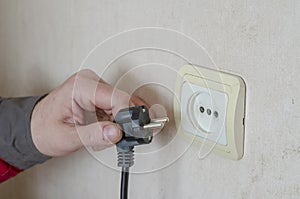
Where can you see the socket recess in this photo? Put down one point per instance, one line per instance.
(211, 109)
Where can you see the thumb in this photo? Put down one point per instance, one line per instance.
(99, 135)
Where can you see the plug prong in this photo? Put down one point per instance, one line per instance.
(160, 120)
(156, 123)
(153, 125)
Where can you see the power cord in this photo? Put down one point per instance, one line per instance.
(124, 183)
(137, 127)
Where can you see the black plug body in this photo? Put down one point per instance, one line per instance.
(132, 121)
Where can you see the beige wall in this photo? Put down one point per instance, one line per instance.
(43, 42)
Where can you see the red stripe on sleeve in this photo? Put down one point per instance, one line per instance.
(7, 171)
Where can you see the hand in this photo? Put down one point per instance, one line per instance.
(59, 122)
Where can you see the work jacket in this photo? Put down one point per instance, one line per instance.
(17, 150)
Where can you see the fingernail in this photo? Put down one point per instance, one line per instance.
(111, 133)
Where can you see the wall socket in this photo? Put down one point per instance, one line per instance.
(203, 112)
(211, 109)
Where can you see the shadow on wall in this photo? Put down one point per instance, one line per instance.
(15, 187)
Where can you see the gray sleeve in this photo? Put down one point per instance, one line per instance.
(16, 145)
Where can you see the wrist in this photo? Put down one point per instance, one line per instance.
(37, 126)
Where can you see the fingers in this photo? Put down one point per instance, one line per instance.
(98, 135)
(110, 98)
(137, 101)
(90, 92)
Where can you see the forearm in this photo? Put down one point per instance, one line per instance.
(16, 146)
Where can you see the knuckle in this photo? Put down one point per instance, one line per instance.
(87, 72)
(82, 76)
(72, 79)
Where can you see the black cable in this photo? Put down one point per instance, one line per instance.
(125, 160)
(124, 183)
(137, 130)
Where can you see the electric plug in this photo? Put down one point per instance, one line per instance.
(137, 127)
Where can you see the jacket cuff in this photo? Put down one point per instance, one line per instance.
(16, 144)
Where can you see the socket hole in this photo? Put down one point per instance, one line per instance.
(201, 109)
(216, 114)
(208, 111)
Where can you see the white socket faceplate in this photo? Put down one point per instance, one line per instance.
(210, 108)
(203, 112)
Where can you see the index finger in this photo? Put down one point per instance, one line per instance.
(90, 93)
